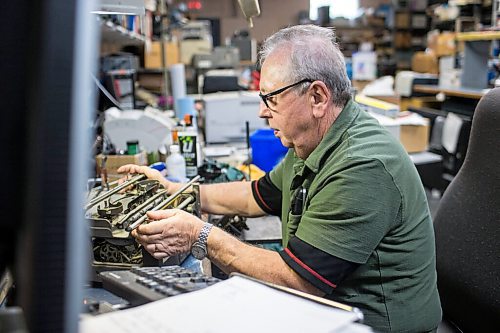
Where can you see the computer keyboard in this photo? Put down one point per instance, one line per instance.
(145, 284)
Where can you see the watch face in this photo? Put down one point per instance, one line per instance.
(198, 251)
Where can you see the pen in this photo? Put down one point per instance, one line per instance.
(303, 193)
(299, 202)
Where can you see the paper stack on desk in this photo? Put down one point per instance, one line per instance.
(234, 305)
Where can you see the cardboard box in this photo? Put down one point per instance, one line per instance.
(402, 39)
(403, 20)
(411, 129)
(442, 44)
(113, 162)
(389, 123)
(424, 62)
(152, 56)
(152, 81)
(190, 47)
(415, 138)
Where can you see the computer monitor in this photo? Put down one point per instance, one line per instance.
(48, 55)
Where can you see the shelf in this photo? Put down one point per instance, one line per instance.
(466, 2)
(478, 36)
(112, 33)
(451, 91)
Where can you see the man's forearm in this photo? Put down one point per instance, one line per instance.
(232, 255)
(233, 198)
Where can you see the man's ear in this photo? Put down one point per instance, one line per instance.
(320, 97)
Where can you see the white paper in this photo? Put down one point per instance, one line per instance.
(218, 151)
(425, 157)
(233, 305)
(411, 118)
(451, 130)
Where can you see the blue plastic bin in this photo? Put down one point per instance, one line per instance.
(267, 150)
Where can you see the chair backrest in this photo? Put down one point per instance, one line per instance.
(467, 228)
(453, 160)
(435, 144)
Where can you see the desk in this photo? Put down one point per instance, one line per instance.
(459, 100)
(450, 91)
(263, 229)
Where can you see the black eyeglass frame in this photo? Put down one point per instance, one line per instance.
(279, 91)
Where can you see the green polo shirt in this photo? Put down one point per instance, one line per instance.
(365, 203)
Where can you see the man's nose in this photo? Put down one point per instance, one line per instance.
(264, 111)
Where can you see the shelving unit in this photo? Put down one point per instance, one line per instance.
(471, 14)
(350, 37)
(376, 29)
(116, 34)
(410, 30)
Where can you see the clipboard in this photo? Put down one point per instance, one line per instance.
(313, 298)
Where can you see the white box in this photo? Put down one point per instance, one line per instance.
(364, 66)
(226, 114)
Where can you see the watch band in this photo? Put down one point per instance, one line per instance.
(205, 230)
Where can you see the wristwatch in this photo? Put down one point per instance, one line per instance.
(199, 248)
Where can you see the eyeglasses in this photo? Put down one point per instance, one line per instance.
(279, 91)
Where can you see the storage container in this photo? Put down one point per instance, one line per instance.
(267, 150)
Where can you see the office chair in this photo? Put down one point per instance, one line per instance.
(467, 228)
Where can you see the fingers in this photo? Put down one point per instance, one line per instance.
(130, 168)
(159, 255)
(162, 214)
(148, 239)
(170, 232)
(150, 247)
(153, 227)
(155, 251)
(138, 169)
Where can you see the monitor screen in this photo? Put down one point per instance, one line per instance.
(48, 56)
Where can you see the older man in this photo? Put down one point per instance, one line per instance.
(356, 224)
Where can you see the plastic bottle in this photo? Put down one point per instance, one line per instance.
(190, 146)
(176, 164)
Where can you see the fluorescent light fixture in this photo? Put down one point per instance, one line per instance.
(127, 7)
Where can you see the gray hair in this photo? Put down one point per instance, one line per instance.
(315, 55)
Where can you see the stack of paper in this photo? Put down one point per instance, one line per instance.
(234, 305)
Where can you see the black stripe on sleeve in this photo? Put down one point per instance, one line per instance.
(267, 195)
(319, 268)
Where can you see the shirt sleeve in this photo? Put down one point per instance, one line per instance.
(267, 195)
(319, 268)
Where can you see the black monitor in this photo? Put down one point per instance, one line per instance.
(48, 53)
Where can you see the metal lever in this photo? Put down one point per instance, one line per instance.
(164, 203)
(118, 188)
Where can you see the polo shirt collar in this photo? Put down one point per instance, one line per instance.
(333, 135)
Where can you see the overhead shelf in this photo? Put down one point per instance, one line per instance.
(478, 36)
(112, 33)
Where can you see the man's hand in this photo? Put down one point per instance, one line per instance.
(150, 173)
(171, 232)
